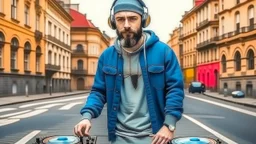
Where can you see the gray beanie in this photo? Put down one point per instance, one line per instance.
(128, 5)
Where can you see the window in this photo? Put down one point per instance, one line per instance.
(63, 36)
(250, 59)
(223, 25)
(237, 22)
(50, 57)
(251, 17)
(216, 8)
(238, 61)
(14, 9)
(26, 55)
(49, 28)
(224, 63)
(67, 39)
(59, 59)
(59, 33)
(37, 22)
(55, 31)
(1, 57)
(222, 4)
(2, 39)
(80, 65)
(38, 57)
(63, 62)
(14, 48)
(67, 63)
(79, 47)
(26, 15)
(55, 59)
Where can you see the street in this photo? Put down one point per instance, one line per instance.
(203, 116)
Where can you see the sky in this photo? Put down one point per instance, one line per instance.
(165, 14)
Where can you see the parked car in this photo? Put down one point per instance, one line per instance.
(196, 87)
(238, 94)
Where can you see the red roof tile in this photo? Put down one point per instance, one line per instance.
(80, 20)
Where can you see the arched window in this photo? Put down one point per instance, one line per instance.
(250, 59)
(80, 64)
(79, 47)
(237, 22)
(237, 61)
(224, 63)
(251, 17)
(27, 50)
(14, 51)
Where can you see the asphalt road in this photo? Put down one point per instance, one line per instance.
(203, 117)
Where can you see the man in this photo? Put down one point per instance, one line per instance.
(140, 80)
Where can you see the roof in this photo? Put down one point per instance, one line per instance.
(80, 20)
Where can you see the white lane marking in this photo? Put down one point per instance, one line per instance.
(7, 121)
(28, 137)
(220, 136)
(7, 109)
(30, 114)
(12, 114)
(225, 106)
(49, 106)
(70, 105)
(54, 101)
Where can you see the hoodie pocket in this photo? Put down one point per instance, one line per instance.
(156, 76)
(110, 75)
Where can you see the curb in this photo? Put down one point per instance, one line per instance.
(245, 104)
(44, 98)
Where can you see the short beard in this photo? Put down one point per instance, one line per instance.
(129, 42)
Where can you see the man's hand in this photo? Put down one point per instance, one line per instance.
(163, 136)
(82, 128)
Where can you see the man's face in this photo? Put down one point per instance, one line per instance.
(129, 28)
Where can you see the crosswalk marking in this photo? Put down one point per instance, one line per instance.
(12, 114)
(30, 114)
(50, 106)
(70, 105)
(28, 137)
(54, 101)
(7, 121)
(7, 109)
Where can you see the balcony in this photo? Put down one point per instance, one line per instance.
(38, 36)
(79, 72)
(50, 67)
(207, 43)
(55, 40)
(207, 22)
(79, 53)
(238, 31)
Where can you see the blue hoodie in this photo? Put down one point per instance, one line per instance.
(163, 85)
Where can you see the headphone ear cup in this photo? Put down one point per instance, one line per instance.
(111, 23)
(146, 20)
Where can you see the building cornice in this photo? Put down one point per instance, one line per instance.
(60, 10)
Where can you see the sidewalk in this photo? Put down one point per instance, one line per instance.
(8, 100)
(243, 101)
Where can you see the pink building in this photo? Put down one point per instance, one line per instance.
(209, 75)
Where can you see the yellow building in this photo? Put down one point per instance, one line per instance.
(87, 45)
(237, 44)
(175, 43)
(21, 47)
(189, 40)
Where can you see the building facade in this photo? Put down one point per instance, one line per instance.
(87, 45)
(237, 45)
(57, 48)
(207, 51)
(174, 43)
(21, 47)
(189, 38)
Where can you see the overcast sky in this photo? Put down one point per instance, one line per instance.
(165, 14)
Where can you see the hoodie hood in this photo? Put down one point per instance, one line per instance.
(151, 39)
